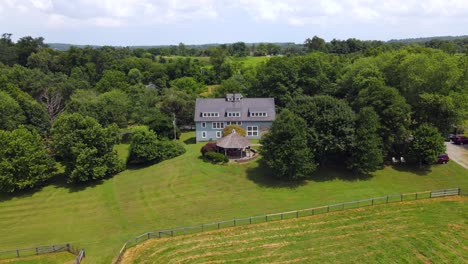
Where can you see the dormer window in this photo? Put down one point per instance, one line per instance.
(233, 114)
(210, 114)
(258, 114)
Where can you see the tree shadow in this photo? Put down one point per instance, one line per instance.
(412, 168)
(190, 141)
(337, 172)
(265, 177)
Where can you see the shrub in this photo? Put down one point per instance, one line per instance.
(209, 147)
(170, 149)
(215, 157)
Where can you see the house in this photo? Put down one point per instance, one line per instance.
(255, 115)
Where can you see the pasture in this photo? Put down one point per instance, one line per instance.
(425, 231)
(186, 191)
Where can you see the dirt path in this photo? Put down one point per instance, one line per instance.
(458, 153)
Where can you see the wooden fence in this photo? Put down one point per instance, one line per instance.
(25, 252)
(287, 215)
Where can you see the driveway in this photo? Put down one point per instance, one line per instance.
(458, 153)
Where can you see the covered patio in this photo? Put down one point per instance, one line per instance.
(235, 146)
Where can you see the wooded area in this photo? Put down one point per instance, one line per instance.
(360, 102)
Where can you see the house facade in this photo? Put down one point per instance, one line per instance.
(255, 115)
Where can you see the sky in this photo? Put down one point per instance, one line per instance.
(165, 22)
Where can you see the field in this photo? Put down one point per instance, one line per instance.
(186, 191)
(426, 231)
(55, 258)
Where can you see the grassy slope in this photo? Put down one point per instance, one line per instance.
(56, 258)
(414, 232)
(180, 192)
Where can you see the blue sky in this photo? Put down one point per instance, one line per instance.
(158, 22)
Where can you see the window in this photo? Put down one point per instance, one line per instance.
(218, 125)
(210, 114)
(258, 114)
(203, 134)
(237, 123)
(203, 124)
(233, 114)
(218, 134)
(252, 131)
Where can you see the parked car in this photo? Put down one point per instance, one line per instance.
(460, 140)
(443, 158)
(451, 137)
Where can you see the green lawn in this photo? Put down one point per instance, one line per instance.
(185, 191)
(250, 61)
(426, 231)
(55, 258)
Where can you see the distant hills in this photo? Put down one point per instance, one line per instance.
(66, 46)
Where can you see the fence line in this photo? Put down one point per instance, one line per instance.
(39, 250)
(288, 215)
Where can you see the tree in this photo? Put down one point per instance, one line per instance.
(315, 44)
(27, 45)
(85, 147)
(330, 125)
(24, 162)
(11, 115)
(187, 84)
(112, 79)
(134, 76)
(393, 111)
(145, 147)
(367, 152)
(285, 149)
(8, 54)
(179, 103)
(228, 130)
(427, 143)
(439, 111)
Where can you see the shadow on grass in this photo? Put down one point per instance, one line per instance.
(265, 177)
(410, 168)
(57, 181)
(189, 141)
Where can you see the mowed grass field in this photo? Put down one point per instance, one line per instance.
(424, 231)
(55, 258)
(186, 191)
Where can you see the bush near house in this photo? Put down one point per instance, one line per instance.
(209, 147)
(216, 157)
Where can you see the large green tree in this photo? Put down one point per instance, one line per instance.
(11, 114)
(427, 143)
(24, 161)
(330, 124)
(85, 147)
(367, 152)
(285, 149)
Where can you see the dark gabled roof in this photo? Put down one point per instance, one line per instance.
(233, 141)
(221, 105)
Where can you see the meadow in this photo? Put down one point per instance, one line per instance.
(425, 231)
(186, 191)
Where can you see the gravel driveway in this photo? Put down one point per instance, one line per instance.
(458, 153)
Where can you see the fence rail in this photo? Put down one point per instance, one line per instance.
(287, 215)
(39, 250)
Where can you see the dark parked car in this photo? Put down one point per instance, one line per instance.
(443, 158)
(460, 140)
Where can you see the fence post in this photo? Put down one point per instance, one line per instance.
(459, 191)
(17, 253)
(234, 222)
(218, 225)
(372, 201)
(328, 209)
(416, 196)
(53, 247)
(387, 198)
(297, 214)
(250, 220)
(313, 211)
(159, 234)
(172, 232)
(148, 235)
(37, 252)
(266, 218)
(401, 197)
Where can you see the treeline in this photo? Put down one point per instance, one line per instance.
(70, 105)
